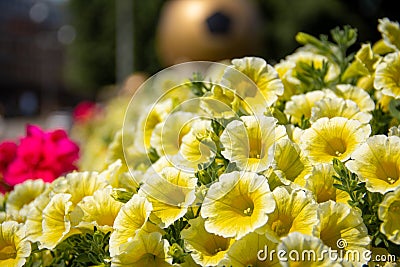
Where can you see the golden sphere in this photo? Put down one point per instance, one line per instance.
(211, 30)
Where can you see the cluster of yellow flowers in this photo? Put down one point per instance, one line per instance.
(300, 156)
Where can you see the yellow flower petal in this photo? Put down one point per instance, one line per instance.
(131, 218)
(149, 250)
(389, 213)
(207, 249)
(57, 221)
(251, 250)
(247, 142)
(377, 162)
(342, 227)
(237, 204)
(14, 248)
(171, 192)
(333, 138)
(386, 75)
(295, 211)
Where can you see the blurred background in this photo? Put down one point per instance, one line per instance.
(55, 54)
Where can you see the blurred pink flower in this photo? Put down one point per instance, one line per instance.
(41, 155)
(85, 111)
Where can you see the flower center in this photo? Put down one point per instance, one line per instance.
(255, 148)
(388, 172)
(243, 205)
(335, 147)
(8, 252)
(395, 206)
(281, 226)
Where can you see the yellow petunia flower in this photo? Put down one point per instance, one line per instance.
(355, 94)
(300, 105)
(337, 107)
(258, 71)
(377, 162)
(320, 182)
(167, 135)
(296, 211)
(151, 117)
(132, 218)
(302, 56)
(290, 83)
(333, 138)
(363, 67)
(206, 249)
(19, 201)
(342, 227)
(290, 163)
(247, 142)
(386, 75)
(221, 102)
(305, 250)
(197, 146)
(146, 249)
(59, 221)
(237, 204)
(388, 212)
(390, 31)
(80, 184)
(34, 219)
(251, 250)
(171, 192)
(14, 248)
(99, 210)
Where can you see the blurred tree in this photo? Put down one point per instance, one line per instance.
(91, 57)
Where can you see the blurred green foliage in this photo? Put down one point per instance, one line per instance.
(91, 57)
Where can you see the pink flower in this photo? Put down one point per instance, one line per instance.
(8, 151)
(42, 155)
(85, 111)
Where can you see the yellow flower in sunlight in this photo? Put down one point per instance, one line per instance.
(171, 192)
(320, 183)
(59, 221)
(262, 74)
(340, 222)
(300, 105)
(151, 117)
(377, 162)
(303, 56)
(34, 219)
(167, 135)
(363, 67)
(290, 163)
(132, 218)
(305, 250)
(147, 249)
(355, 94)
(251, 250)
(237, 204)
(333, 138)
(248, 142)
(197, 146)
(19, 201)
(80, 184)
(386, 75)
(390, 31)
(207, 249)
(99, 210)
(388, 212)
(296, 211)
(14, 248)
(337, 107)
(221, 102)
(285, 71)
